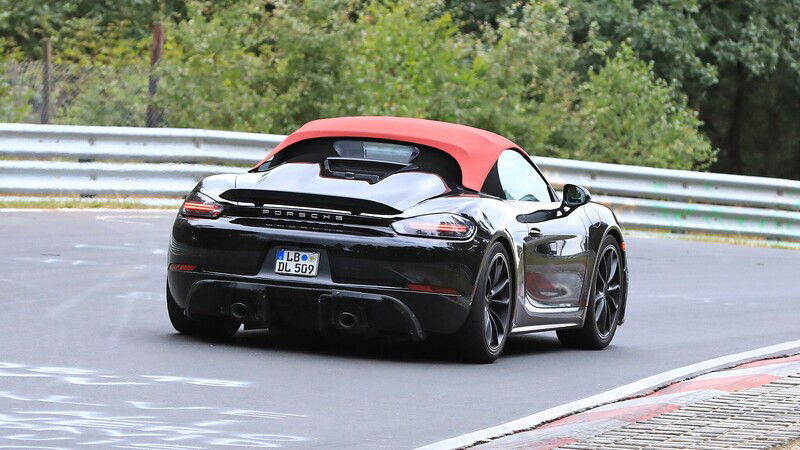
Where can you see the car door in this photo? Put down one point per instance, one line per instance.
(555, 253)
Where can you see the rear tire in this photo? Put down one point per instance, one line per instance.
(485, 332)
(606, 301)
(210, 328)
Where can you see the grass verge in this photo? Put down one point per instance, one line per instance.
(730, 239)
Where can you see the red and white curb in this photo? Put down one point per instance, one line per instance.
(605, 411)
(604, 418)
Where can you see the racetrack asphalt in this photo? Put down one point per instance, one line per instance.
(88, 358)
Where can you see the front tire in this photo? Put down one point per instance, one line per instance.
(606, 300)
(210, 328)
(485, 332)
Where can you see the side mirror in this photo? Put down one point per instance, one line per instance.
(575, 196)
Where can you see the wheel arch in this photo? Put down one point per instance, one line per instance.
(614, 230)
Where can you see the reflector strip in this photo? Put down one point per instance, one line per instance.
(182, 267)
(432, 289)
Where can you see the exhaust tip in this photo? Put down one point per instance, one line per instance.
(347, 321)
(239, 311)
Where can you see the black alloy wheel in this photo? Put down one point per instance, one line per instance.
(488, 324)
(606, 301)
(498, 302)
(607, 291)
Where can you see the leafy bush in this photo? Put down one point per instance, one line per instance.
(633, 117)
(407, 61)
(212, 75)
(269, 67)
(15, 99)
(102, 95)
(528, 89)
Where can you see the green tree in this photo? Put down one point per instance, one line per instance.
(307, 44)
(213, 74)
(474, 14)
(634, 117)
(407, 60)
(15, 100)
(738, 62)
(25, 23)
(530, 80)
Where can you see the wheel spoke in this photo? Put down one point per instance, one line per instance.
(612, 287)
(487, 332)
(502, 301)
(612, 301)
(601, 320)
(601, 280)
(612, 271)
(498, 324)
(498, 267)
(498, 288)
(599, 306)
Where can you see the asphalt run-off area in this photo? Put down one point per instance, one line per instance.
(89, 359)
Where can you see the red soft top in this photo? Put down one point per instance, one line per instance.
(474, 149)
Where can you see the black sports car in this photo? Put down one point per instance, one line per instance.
(397, 226)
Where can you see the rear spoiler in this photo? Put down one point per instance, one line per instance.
(260, 197)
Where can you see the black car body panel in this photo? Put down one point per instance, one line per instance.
(393, 283)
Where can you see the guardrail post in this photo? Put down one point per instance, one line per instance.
(156, 49)
(44, 114)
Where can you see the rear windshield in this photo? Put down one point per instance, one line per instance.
(343, 154)
(378, 151)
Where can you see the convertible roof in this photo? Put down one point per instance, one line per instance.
(474, 149)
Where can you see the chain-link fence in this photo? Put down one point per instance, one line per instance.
(74, 94)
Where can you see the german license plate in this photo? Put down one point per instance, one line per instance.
(293, 262)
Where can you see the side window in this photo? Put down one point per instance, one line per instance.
(520, 180)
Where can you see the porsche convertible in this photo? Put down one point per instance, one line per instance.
(365, 226)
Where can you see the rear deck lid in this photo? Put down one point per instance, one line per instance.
(306, 184)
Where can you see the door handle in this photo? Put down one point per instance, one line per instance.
(534, 232)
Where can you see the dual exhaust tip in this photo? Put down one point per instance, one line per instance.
(345, 320)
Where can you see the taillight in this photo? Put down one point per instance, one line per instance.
(199, 205)
(448, 226)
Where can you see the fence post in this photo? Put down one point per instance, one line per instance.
(156, 49)
(44, 114)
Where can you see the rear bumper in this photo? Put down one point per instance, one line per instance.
(368, 273)
(318, 306)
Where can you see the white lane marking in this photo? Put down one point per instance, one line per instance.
(74, 375)
(645, 384)
(102, 247)
(197, 381)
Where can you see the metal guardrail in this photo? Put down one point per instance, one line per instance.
(146, 162)
(134, 144)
